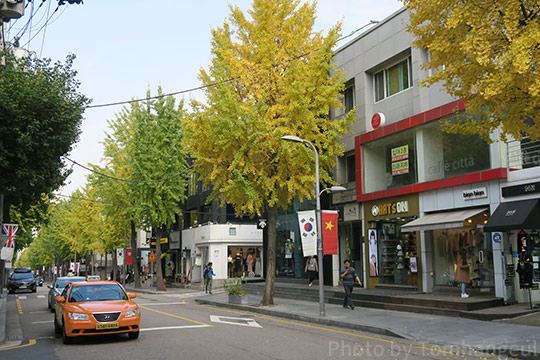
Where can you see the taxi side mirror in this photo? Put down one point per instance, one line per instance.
(60, 299)
(132, 295)
(49, 286)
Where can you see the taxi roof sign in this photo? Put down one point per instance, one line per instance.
(93, 278)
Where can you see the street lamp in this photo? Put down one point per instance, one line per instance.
(319, 222)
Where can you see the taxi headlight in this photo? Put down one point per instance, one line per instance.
(77, 316)
(132, 313)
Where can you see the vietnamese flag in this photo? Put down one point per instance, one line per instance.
(330, 232)
(129, 258)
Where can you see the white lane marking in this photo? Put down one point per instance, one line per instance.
(22, 297)
(234, 321)
(41, 296)
(169, 303)
(42, 322)
(175, 327)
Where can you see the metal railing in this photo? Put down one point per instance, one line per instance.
(522, 154)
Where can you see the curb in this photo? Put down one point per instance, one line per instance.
(3, 310)
(505, 351)
(309, 319)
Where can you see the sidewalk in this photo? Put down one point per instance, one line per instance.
(494, 337)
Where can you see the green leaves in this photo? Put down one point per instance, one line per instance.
(40, 116)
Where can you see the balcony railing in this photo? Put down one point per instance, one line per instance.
(522, 154)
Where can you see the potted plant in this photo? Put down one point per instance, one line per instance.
(234, 289)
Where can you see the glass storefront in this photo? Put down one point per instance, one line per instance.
(396, 249)
(448, 244)
(244, 261)
(392, 256)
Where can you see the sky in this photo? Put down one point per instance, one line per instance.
(126, 47)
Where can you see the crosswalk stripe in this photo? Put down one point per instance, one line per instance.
(41, 296)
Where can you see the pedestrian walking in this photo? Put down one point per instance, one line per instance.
(312, 268)
(208, 278)
(463, 274)
(349, 276)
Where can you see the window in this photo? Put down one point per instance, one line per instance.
(350, 168)
(392, 80)
(348, 96)
(232, 231)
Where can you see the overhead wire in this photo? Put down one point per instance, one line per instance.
(44, 25)
(128, 180)
(45, 31)
(371, 22)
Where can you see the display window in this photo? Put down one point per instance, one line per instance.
(395, 250)
(448, 244)
(244, 261)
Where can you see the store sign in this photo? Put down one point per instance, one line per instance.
(351, 212)
(393, 208)
(377, 120)
(523, 189)
(475, 194)
(400, 160)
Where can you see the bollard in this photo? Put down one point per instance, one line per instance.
(164, 285)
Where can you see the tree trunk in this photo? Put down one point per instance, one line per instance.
(159, 273)
(135, 257)
(115, 265)
(268, 296)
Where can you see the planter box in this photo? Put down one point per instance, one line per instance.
(238, 299)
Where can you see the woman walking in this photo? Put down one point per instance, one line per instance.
(311, 268)
(463, 274)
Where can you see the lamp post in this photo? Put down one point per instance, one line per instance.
(318, 193)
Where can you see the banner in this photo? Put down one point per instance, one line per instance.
(9, 233)
(308, 232)
(119, 257)
(129, 259)
(330, 232)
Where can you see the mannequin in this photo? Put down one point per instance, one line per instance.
(525, 265)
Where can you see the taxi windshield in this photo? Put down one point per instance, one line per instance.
(97, 292)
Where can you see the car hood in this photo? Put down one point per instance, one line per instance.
(103, 306)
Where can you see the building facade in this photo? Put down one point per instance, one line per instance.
(418, 197)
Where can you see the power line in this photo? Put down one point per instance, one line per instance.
(160, 96)
(128, 180)
(117, 204)
(371, 22)
(44, 25)
(45, 31)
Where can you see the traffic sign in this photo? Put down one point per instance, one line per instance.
(151, 257)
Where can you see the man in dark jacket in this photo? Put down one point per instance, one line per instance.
(349, 276)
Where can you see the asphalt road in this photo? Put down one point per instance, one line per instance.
(174, 327)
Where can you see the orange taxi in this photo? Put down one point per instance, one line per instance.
(96, 308)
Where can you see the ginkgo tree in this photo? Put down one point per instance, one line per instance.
(486, 52)
(270, 75)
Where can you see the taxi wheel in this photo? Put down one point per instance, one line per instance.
(133, 335)
(57, 329)
(66, 339)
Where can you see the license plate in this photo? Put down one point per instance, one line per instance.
(107, 326)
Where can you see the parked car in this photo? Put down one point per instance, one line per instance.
(96, 308)
(58, 286)
(39, 281)
(21, 279)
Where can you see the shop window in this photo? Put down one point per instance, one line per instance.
(393, 79)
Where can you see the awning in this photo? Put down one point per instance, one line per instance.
(441, 220)
(515, 215)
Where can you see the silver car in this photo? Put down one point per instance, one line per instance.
(58, 286)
